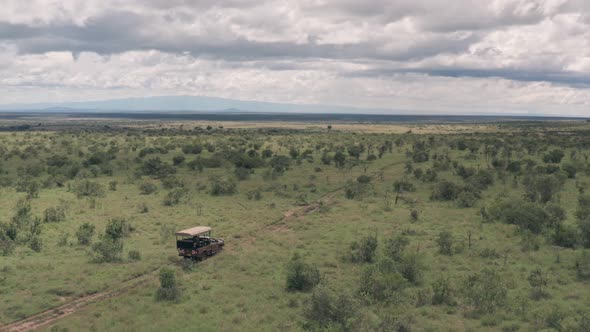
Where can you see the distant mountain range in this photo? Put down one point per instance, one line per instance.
(200, 104)
(189, 104)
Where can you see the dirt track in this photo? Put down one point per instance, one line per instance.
(51, 315)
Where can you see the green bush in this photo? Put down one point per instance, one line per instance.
(118, 228)
(382, 282)
(301, 276)
(442, 293)
(583, 265)
(395, 247)
(87, 188)
(527, 215)
(7, 244)
(445, 243)
(54, 214)
(107, 249)
(85, 233)
(411, 268)
(402, 185)
(445, 190)
(134, 255)
(485, 291)
(168, 290)
(178, 160)
(147, 188)
(538, 280)
(364, 249)
(328, 310)
(222, 186)
(175, 196)
(35, 243)
(113, 185)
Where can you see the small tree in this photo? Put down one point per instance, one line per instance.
(485, 291)
(538, 281)
(326, 308)
(107, 249)
(364, 250)
(583, 265)
(395, 247)
(85, 233)
(168, 290)
(445, 243)
(300, 275)
(118, 228)
(442, 293)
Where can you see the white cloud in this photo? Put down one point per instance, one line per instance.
(462, 56)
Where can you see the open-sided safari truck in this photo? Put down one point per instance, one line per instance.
(196, 243)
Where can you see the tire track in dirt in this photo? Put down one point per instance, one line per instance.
(53, 314)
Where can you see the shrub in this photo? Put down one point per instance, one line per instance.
(107, 249)
(528, 216)
(485, 291)
(411, 268)
(445, 191)
(381, 282)
(300, 275)
(178, 160)
(242, 173)
(356, 189)
(113, 185)
(156, 168)
(175, 196)
(466, 199)
(280, 164)
(364, 179)
(566, 236)
(553, 156)
(85, 233)
(222, 186)
(442, 293)
(168, 290)
(570, 170)
(54, 214)
(192, 149)
(445, 243)
(538, 281)
(35, 243)
(118, 228)
(147, 188)
(134, 255)
(542, 188)
(583, 265)
(328, 309)
(364, 250)
(7, 244)
(87, 188)
(63, 240)
(395, 247)
(404, 184)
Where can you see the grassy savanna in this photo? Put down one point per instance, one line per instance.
(329, 189)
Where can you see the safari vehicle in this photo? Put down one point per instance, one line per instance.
(196, 243)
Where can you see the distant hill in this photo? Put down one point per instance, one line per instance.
(189, 104)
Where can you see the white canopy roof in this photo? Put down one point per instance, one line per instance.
(194, 231)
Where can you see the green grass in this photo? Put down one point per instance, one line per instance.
(243, 288)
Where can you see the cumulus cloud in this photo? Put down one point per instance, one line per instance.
(512, 55)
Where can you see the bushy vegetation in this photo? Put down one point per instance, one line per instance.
(301, 276)
(426, 228)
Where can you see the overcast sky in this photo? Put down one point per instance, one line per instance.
(470, 56)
